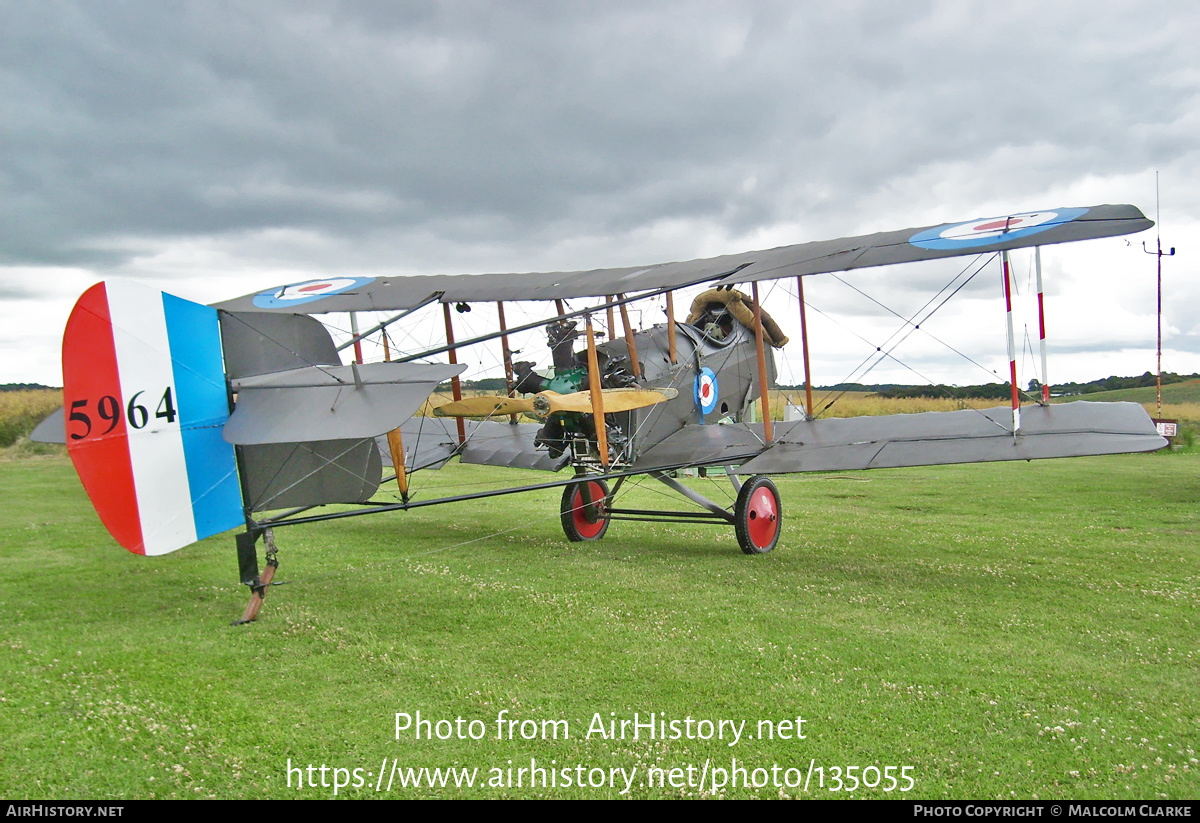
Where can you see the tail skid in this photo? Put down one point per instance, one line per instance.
(248, 564)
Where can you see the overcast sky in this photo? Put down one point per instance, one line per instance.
(212, 149)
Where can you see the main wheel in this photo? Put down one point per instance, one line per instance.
(757, 515)
(576, 521)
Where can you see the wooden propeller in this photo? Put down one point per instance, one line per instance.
(547, 403)
(485, 406)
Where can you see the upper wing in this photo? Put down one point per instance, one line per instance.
(1062, 225)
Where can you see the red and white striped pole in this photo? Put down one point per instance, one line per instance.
(1037, 256)
(358, 358)
(1012, 350)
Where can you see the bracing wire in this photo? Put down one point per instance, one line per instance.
(912, 324)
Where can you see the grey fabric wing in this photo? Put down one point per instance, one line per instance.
(979, 236)
(431, 441)
(51, 430)
(967, 436)
(1061, 225)
(428, 442)
(494, 443)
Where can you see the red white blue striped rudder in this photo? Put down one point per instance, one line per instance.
(145, 400)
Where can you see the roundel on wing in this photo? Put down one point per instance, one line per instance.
(706, 390)
(297, 294)
(990, 229)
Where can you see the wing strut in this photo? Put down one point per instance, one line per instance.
(507, 353)
(394, 438)
(808, 402)
(630, 345)
(1037, 256)
(597, 394)
(396, 446)
(1012, 351)
(673, 351)
(358, 358)
(764, 399)
(612, 323)
(455, 385)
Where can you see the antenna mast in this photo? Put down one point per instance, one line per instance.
(1159, 254)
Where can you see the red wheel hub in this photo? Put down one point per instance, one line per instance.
(763, 516)
(588, 527)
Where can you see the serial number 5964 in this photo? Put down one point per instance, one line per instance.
(108, 409)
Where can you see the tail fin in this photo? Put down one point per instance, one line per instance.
(146, 400)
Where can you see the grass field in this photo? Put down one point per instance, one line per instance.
(1006, 630)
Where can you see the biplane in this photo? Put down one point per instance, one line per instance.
(184, 420)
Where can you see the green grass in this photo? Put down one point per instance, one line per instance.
(1016, 629)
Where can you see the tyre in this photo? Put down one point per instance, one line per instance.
(576, 522)
(757, 515)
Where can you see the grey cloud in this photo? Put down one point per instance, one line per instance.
(10, 292)
(473, 136)
(150, 120)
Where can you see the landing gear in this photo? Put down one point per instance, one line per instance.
(584, 510)
(757, 515)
